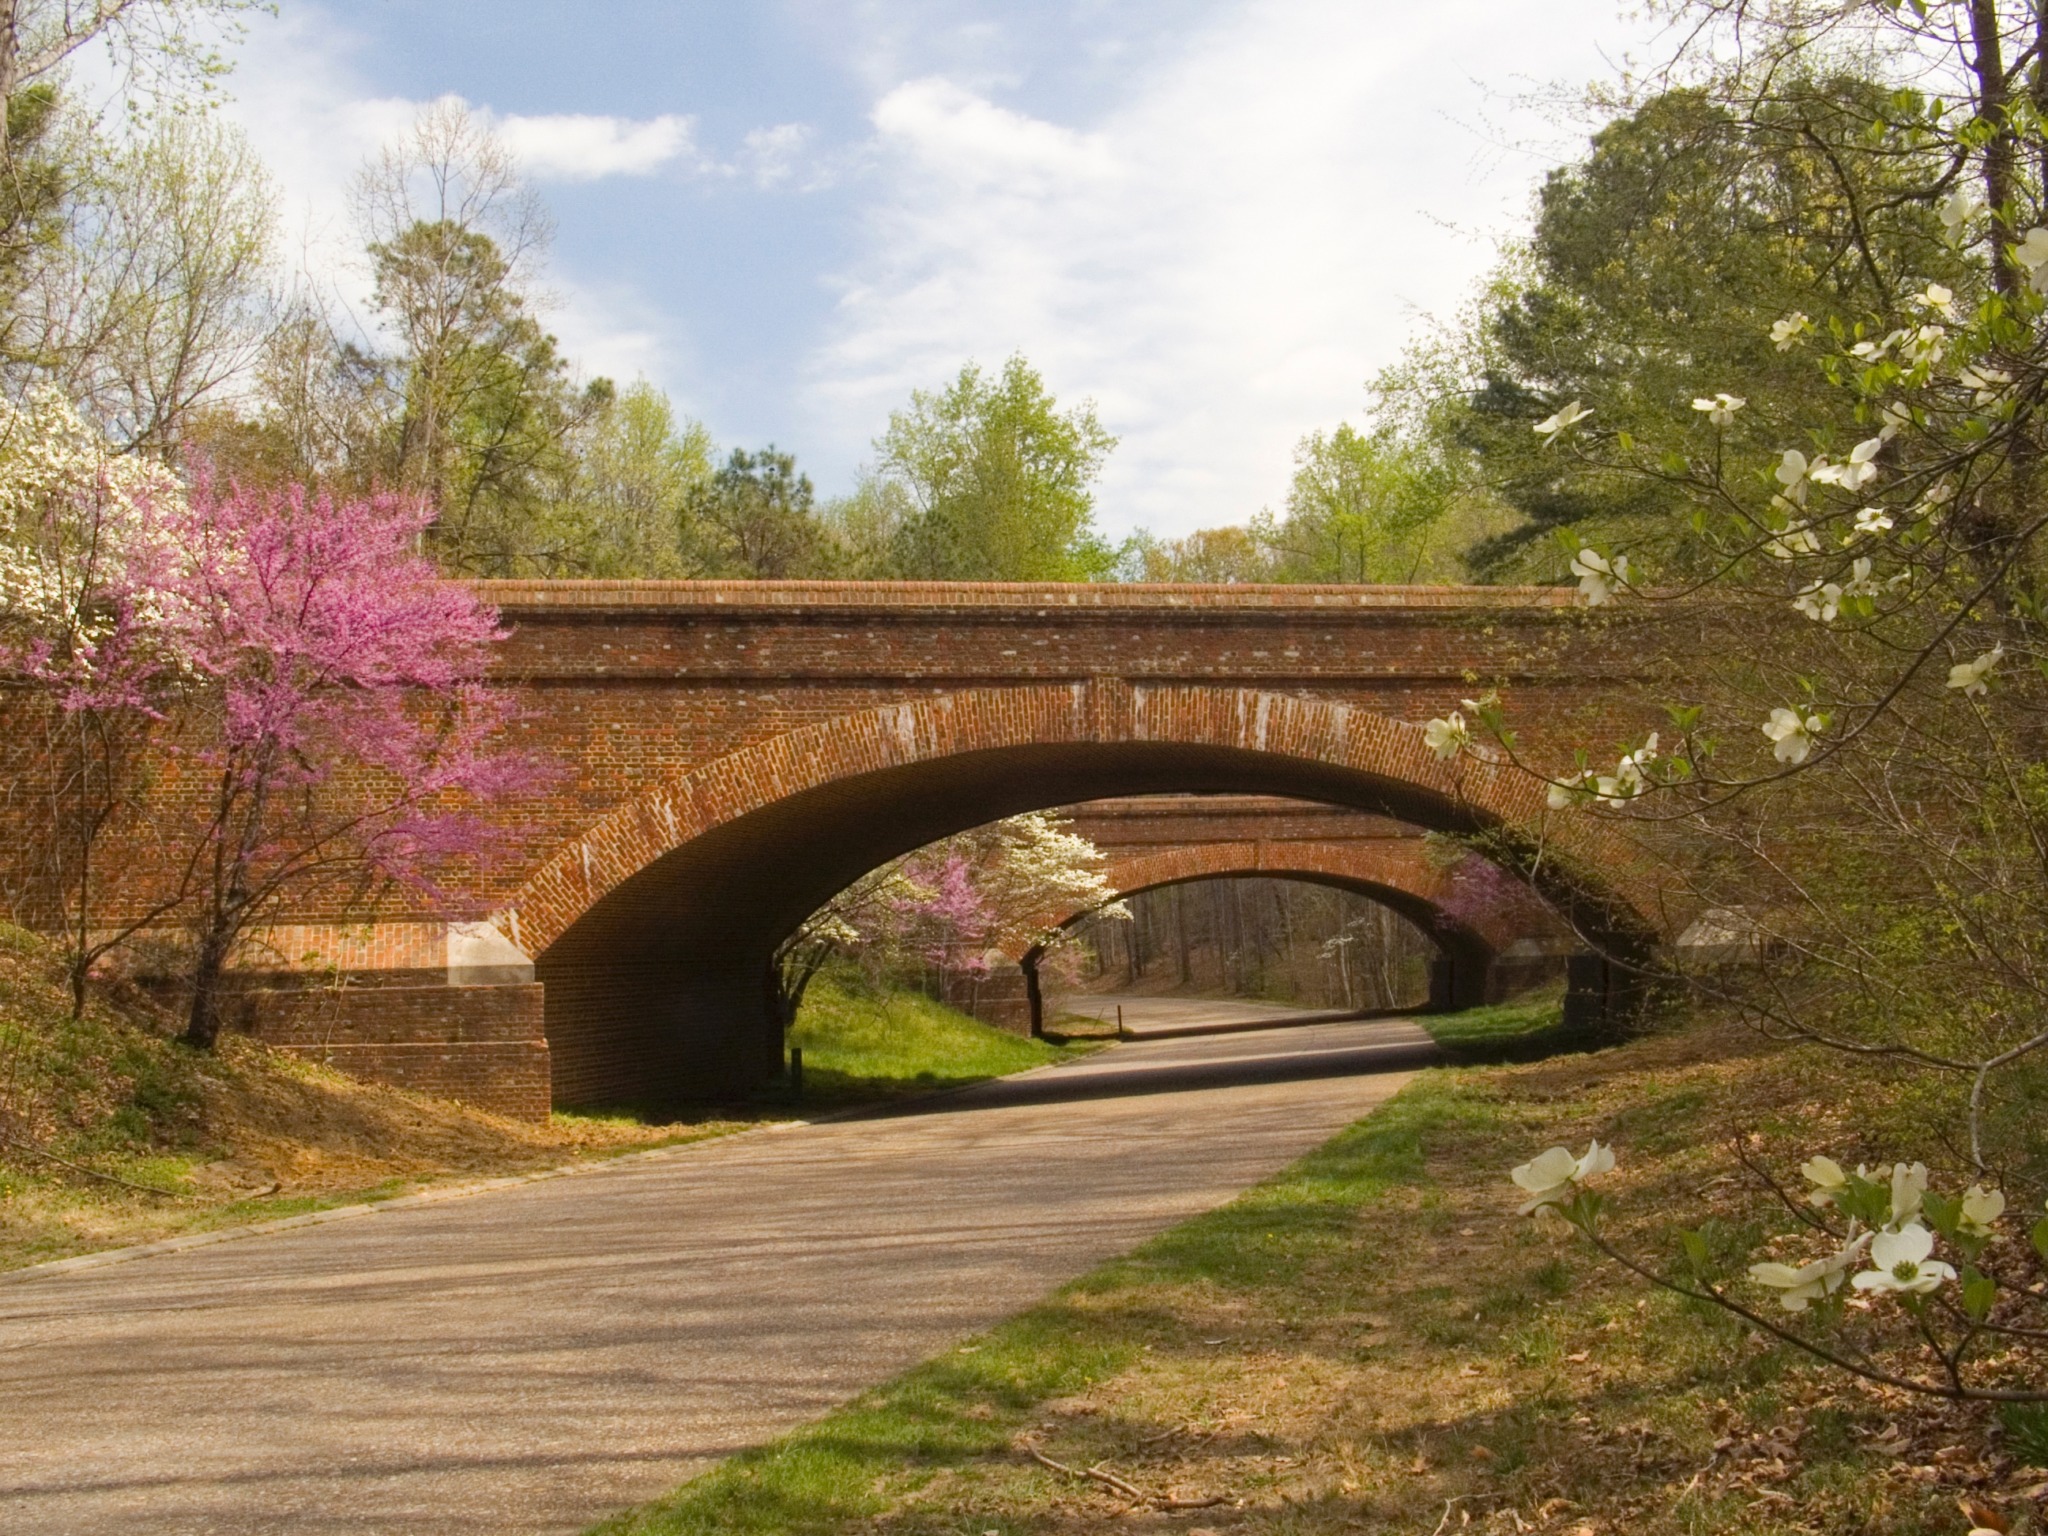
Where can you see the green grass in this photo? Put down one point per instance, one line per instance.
(865, 1044)
(1518, 1031)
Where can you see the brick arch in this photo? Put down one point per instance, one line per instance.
(651, 931)
(1454, 902)
(1355, 741)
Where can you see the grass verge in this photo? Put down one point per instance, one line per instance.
(1527, 1029)
(1373, 1341)
(862, 1044)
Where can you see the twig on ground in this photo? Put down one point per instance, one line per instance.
(93, 1173)
(1131, 1491)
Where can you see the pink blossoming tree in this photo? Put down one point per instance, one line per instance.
(333, 712)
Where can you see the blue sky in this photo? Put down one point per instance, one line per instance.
(1217, 218)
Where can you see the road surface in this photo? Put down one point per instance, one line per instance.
(1162, 1017)
(530, 1359)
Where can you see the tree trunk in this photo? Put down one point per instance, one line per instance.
(1994, 106)
(1180, 932)
(209, 967)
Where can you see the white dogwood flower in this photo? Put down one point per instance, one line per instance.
(1983, 383)
(1721, 409)
(1810, 1282)
(1909, 1186)
(2032, 253)
(1630, 777)
(1893, 419)
(1551, 1177)
(1936, 300)
(1928, 345)
(1563, 792)
(1901, 1263)
(1852, 474)
(1796, 540)
(1958, 209)
(1793, 471)
(1972, 678)
(1447, 737)
(1873, 520)
(1599, 576)
(1820, 602)
(1564, 419)
(1792, 733)
(1827, 1177)
(1981, 1209)
(1788, 332)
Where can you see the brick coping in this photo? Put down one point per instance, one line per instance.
(954, 596)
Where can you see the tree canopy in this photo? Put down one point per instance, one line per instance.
(999, 478)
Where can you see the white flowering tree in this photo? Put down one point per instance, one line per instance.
(1854, 773)
(85, 590)
(962, 904)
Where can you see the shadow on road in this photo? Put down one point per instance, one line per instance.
(1180, 1066)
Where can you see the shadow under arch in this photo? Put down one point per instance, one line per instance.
(653, 932)
(1468, 943)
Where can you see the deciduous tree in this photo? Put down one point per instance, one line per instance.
(1000, 478)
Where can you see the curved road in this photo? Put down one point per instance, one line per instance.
(530, 1359)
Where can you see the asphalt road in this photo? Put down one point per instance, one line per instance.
(1161, 1017)
(533, 1358)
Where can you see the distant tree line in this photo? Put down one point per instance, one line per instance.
(1285, 941)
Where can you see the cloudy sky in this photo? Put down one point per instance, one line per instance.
(1216, 218)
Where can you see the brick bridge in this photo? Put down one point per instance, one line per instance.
(737, 752)
(1494, 935)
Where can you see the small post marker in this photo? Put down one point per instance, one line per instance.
(1120, 1020)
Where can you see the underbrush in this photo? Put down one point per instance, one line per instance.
(1374, 1341)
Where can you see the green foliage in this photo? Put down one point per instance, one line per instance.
(1654, 273)
(999, 479)
(1219, 555)
(487, 411)
(1372, 507)
(755, 517)
(2026, 1432)
(639, 473)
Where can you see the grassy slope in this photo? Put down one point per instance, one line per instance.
(859, 1044)
(237, 1136)
(1373, 1341)
(247, 1135)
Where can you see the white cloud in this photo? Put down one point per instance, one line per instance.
(579, 147)
(298, 93)
(1220, 261)
(771, 156)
